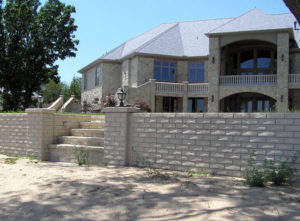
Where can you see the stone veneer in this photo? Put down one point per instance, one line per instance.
(218, 143)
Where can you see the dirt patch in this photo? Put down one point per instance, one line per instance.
(32, 190)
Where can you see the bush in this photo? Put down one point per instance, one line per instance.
(110, 101)
(280, 172)
(254, 175)
(81, 156)
(276, 172)
(86, 107)
(144, 107)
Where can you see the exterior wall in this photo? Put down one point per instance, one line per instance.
(145, 69)
(219, 143)
(134, 72)
(125, 70)
(91, 92)
(111, 79)
(282, 71)
(14, 134)
(294, 63)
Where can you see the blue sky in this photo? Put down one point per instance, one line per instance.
(105, 24)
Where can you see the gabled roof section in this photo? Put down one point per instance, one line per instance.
(255, 20)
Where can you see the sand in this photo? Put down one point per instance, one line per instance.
(33, 190)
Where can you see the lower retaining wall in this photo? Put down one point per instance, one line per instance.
(30, 133)
(14, 134)
(219, 143)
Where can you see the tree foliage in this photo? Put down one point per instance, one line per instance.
(73, 89)
(52, 91)
(32, 38)
(294, 6)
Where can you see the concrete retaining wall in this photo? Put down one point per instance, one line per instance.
(216, 143)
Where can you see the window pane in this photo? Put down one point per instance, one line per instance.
(201, 65)
(157, 63)
(157, 75)
(267, 105)
(165, 74)
(247, 59)
(260, 106)
(200, 75)
(192, 75)
(165, 63)
(172, 75)
(192, 65)
(249, 106)
(190, 105)
(200, 105)
(263, 58)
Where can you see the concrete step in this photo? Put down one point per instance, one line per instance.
(87, 132)
(66, 153)
(89, 141)
(91, 125)
(98, 118)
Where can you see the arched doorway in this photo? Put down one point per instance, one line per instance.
(247, 102)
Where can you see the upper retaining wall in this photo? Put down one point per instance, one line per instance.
(219, 143)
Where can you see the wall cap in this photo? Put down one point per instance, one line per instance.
(121, 110)
(39, 110)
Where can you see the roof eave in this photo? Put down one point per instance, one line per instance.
(95, 62)
(290, 30)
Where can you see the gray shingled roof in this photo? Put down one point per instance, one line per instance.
(256, 20)
(190, 38)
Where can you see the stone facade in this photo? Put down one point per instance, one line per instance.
(219, 143)
(134, 73)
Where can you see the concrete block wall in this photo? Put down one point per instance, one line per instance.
(219, 143)
(13, 134)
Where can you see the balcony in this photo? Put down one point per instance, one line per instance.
(248, 80)
(178, 89)
(294, 80)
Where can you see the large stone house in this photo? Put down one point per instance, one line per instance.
(250, 63)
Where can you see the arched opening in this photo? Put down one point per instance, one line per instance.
(249, 57)
(247, 102)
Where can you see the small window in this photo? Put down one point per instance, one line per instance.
(97, 76)
(196, 72)
(164, 71)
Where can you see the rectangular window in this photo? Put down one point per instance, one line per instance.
(164, 71)
(196, 105)
(85, 80)
(196, 72)
(97, 76)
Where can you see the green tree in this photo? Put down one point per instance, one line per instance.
(74, 88)
(52, 91)
(32, 38)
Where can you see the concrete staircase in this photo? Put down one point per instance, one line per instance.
(88, 138)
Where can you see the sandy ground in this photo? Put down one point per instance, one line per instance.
(31, 190)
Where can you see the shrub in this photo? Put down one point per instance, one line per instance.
(254, 175)
(86, 107)
(81, 156)
(280, 172)
(144, 107)
(110, 101)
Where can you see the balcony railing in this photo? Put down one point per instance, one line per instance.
(179, 88)
(201, 88)
(294, 78)
(241, 80)
(166, 87)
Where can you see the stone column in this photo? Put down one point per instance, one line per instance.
(282, 72)
(214, 65)
(152, 94)
(117, 135)
(185, 96)
(40, 131)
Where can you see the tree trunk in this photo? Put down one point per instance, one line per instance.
(294, 6)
